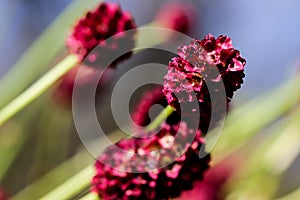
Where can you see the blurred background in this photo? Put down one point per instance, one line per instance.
(265, 32)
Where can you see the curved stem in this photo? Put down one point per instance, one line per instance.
(38, 88)
(72, 186)
(160, 118)
(90, 196)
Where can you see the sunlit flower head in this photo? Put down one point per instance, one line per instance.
(202, 69)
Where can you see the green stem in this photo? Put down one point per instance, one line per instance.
(38, 88)
(55, 177)
(72, 186)
(90, 196)
(160, 118)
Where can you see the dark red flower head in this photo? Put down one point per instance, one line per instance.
(118, 182)
(104, 22)
(176, 16)
(202, 69)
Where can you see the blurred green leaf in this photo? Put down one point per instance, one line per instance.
(11, 141)
(247, 120)
(259, 176)
(15, 134)
(55, 177)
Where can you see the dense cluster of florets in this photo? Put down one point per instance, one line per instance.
(221, 54)
(107, 21)
(96, 38)
(167, 166)
(205, 69)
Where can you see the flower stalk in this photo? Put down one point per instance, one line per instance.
(38, 88)
(90, 196)
(72, 186)
(160, 118)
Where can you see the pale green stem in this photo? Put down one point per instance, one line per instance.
(38, 88)
(55, 177)
(160, 118)
(72, 186)
(154, 38)
(90, 196)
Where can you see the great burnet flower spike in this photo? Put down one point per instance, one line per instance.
(108, 20)
(196, 66)
(181, 166)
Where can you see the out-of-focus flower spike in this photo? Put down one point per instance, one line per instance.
(87, 41)
(177, 16)
(108, 20)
